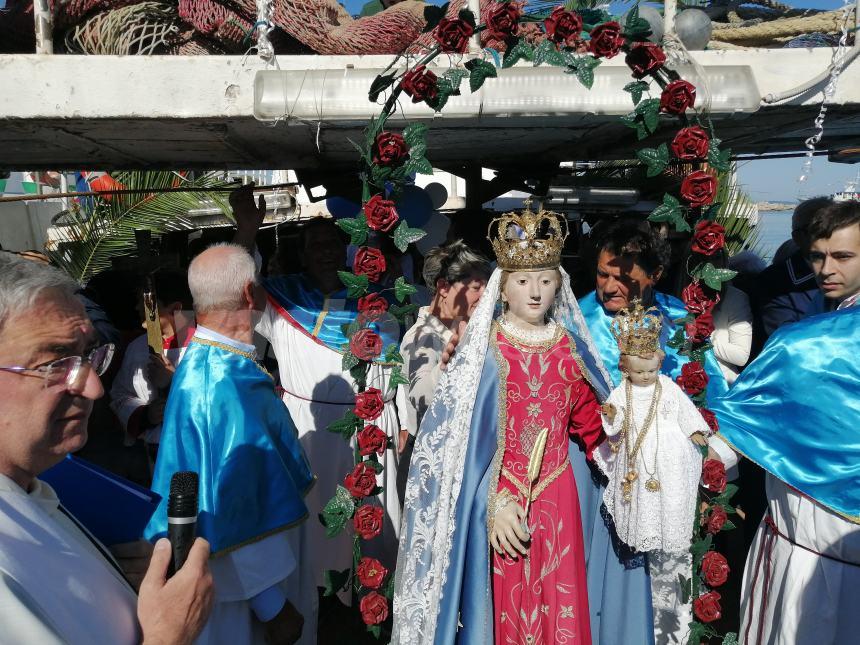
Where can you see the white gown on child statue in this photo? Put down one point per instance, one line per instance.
(661, 519)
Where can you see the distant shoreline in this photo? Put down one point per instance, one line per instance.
(774, 206)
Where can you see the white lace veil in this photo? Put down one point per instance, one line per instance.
(436, 471)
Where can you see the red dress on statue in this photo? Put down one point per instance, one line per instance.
(542, 597)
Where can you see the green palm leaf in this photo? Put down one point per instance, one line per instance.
(737, 214)
(103, 228)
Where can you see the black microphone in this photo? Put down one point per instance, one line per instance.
(181, 517)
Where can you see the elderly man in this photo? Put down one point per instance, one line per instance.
(795, 411)
(58, 584)
(224, 421)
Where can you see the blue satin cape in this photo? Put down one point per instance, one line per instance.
(618, 585)
(598, 320)
(224, 421)
(795, 410)
(303, 305)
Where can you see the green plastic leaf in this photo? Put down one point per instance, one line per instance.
(349, 361)
(373, 462)
(730, 639)
(359, 374)
(686, 585)
(432, 15)
(521, 51)
(347, 425)
(678, 340)
(649, 110)
(542, 51)
(392, 354)
(666, 211)
(697, 633)
(479, 71)
(655, 158)
(419, 165)
(636, 28)
(414, 133)
(468, 17)
(336, 581)
(455, 76)
(636, 89)
(337, 511)
(712, 276)
(356, 285)
(701, 547)
(403, 289)
(719, 159)
(401, 311)
(396, 378)
(404, 235)
(355, 227)
(375, 630)
(379, 85)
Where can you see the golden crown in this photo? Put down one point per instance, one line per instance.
(637, 330)
(528, 241)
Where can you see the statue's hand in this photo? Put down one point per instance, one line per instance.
(508, 534)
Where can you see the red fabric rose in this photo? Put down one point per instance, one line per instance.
(368, 404)
(371, 439)
(606, 39)
(701, 328)
(371, 573)
(365, 344)
(368, 521)
(369, 261)
(707, 607)
(714, 475)
(372, 307)
(699, 188)
(563, 26)
(453, 35)
(693, 378)
(715, 569)
(503, 19)
(389, 149)
(716, 520)
(677, 97)
(690, 144)
(420, 83)
(361, 481)
(374, 608)
(380, 213)
(697, 299)
(645, 58)
(708, 238)
(710, 418)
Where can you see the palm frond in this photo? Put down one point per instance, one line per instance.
(103, 228)
(738, 214)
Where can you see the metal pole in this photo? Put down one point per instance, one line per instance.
(43, 26)
(475, 42)
(669, 10)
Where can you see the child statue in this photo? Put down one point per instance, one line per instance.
(653, 463)
(492, 543)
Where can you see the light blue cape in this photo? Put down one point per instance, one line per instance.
(224, 421)
(795, 410)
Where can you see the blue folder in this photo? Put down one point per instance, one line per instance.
(113, 509)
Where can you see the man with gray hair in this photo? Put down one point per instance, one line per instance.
(58, 584)
(224, 421)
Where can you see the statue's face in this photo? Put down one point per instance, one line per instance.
(529, 295)
(641, 371)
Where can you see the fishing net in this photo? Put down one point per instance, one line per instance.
(218, 22)
(145, 28)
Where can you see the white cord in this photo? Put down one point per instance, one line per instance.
(264, 26)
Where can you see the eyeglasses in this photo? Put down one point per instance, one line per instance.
(69, 371)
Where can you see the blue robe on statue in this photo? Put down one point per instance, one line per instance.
(224, 421)
(619, 587)
(795, 410)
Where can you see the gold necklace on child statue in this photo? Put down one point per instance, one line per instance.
(652, 485)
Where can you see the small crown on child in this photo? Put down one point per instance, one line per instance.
(528, 241)
(637, 330)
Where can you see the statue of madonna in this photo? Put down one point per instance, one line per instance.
(491, 549)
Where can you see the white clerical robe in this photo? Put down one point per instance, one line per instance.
(801, 587)
(317, 392)
(55, 584)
